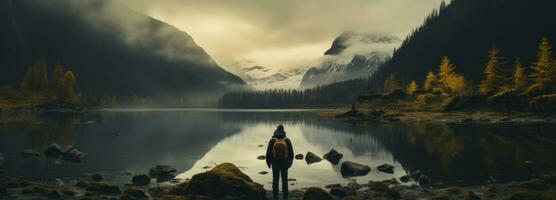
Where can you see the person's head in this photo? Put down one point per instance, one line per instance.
(280, 127)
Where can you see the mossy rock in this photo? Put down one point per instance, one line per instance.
(224, 180)
(523, 195)
(315, 193)
(189, 197)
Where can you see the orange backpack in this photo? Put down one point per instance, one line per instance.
(280, 149)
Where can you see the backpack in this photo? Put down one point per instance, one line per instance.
(280, 149)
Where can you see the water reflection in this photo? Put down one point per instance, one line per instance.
(120, 141)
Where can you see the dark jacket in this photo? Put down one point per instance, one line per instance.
(279, 162)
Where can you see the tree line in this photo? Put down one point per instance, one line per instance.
(61, 83)
(499, 77)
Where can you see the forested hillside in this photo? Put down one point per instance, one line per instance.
(114, 50)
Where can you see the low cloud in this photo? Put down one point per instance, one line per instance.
(282, 33)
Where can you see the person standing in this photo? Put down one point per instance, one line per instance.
(279, 157)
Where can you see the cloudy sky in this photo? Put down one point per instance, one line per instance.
(282, 33)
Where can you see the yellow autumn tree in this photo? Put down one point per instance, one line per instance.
(543, 72)
(494, 79)
(456, 84)
(69, 84)
(445, 73)
(430, 82)
(411, 87)
(519, 82)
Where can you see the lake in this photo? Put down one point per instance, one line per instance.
(134, 140)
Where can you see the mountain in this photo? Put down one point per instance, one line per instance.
(465, 30)
(262, 78)
(110, 48)
(352, 55)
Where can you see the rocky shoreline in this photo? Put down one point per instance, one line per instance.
(226, 181)
(479, 117)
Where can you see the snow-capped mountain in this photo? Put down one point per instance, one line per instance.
(262, 78)
(352, 55)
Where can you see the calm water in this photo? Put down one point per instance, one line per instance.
(119, 141)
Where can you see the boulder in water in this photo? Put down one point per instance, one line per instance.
(98, 177)
(405, 179)
(311, 158)
(338, 191)
(163, 173)
(133, 194)
(224, 180)
(299, 156)
(30, 153)
(73, 155)
(333, 156)
(101, 187)
(351, 169)
(386, 168)
(424, 180)
(261, 157)
(141, 180)
(315, 193)
(54, 150)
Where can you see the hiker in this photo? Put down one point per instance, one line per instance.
(279, 157)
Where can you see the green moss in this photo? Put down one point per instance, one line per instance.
(315, 193)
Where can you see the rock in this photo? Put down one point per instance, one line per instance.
(133, 194)
(73, 155)
(333, 156)
(263, 172)
(224, 180)
(523, 195)
(535, 184)
(299, 156)
(141, 180)
(424, 180)
(162, 173)
(354, 186)
(102, 187)
(261, 157)
(315, 193)
(332, 185)
(386, 168)
(394, 194)
(405, 179)
(472, 196)
(42, 190)
(377, 186)
(338, 191)
(351, 169)
(30, 153)
(54, 150)
(59, 182)
(68, 191)
(416, 174)
(311, 158)
(260, 145)
(98, 177)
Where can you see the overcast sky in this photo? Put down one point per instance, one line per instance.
(282, 33)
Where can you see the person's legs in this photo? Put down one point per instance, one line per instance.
(275, 177)
(284, 174)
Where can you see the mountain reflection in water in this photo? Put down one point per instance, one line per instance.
(134, 141)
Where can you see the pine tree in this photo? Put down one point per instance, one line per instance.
(518, 76)
(457, 83)
(542, 73)
(445, 73)
(430, 82)
(411, 88)
(390, 83)
(494, 76)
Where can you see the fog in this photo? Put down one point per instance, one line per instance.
(282, 33)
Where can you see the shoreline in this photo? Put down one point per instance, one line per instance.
(543, 187)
